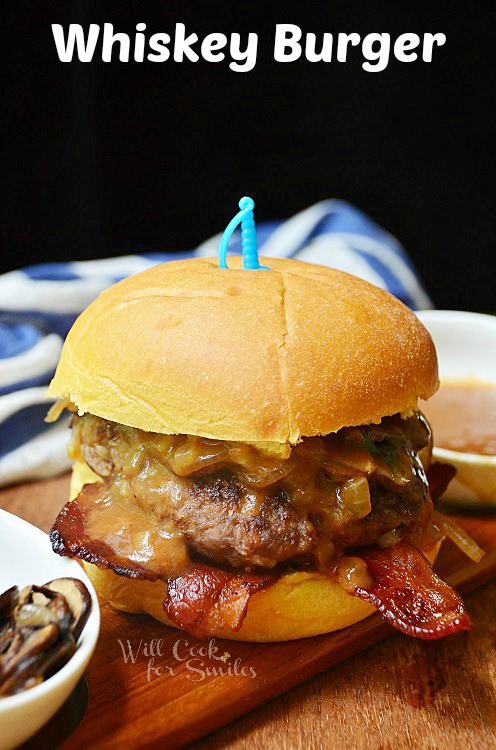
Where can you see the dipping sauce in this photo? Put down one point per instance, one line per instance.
(462, 415)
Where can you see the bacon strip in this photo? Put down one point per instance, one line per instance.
(208, 600)
(439, 475)
(203, 601)
(70, 537)
(410, 596)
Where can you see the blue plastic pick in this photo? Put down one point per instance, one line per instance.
(249, 248)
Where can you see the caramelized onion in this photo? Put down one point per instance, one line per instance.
(459, 536)
(352, 572)
(390, 538)
(57, 408)
(355, 498)
(424, 535)
(381, 452)
(266, 475)
(194, 455)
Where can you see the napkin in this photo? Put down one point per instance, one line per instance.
(38, 305)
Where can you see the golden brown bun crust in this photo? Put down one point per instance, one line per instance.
(301, 350)
(298, 605)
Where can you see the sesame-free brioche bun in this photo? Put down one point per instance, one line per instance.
(297, 605)
(231, 354)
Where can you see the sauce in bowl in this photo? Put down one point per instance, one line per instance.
(462, 415)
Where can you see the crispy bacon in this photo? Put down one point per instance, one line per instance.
(207, 600)
(203, 600)
(71, 537)
(439, 475)
(410, 596)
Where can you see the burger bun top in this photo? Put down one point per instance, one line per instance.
(300, 350)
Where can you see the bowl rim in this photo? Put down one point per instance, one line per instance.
(436, 313)
(87, 640)
(439, 316)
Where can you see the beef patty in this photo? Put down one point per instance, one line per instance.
(243, 506)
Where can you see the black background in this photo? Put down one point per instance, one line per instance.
(108, 159)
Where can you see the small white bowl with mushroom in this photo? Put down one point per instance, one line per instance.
(47, 632)
(463, 412)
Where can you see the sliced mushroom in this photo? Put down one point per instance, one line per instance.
(34, 616)
(39, 658)
(78, 598)
(56, 603)
(6, 634)
(39, 627)
(7, 602)
(41, 606)
(9, 654)
(22, 657)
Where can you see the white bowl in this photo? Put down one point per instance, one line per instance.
(26, 557)
(466, 350)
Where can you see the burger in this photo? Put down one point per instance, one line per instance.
(249, 457)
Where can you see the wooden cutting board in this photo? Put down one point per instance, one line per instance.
(151, 686)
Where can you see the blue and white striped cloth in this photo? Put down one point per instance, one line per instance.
(39, 304)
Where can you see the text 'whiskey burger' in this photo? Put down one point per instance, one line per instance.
(249, 459)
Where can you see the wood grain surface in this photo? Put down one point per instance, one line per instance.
(402, 693)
